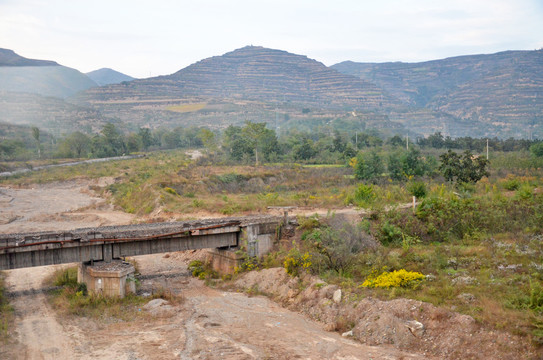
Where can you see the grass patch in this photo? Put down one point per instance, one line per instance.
(186, 108)
(6, 312)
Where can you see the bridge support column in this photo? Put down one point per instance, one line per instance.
(224, 261)
(115, 278)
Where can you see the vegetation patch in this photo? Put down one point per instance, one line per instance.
(396, 278)
(186, 108)
(6, 312)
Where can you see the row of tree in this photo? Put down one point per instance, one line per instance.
(254, 142)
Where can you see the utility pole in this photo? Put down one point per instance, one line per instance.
(487, 148)
(407, 142)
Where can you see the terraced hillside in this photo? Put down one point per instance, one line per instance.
(48, 113)
(502, 92)
(253, 73)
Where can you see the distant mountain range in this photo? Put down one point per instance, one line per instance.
(477, 95)
(106, 76)
(42, 77)
(502, 91)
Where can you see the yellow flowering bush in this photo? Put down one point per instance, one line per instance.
(397, 278)
(296, 261)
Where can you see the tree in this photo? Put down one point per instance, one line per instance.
(36, 136)
(305, 150)
(466, 168)
(412, 163)
(76, 145)
(235, 144)
(368, 166)
(146, 138)
(537, 149)
(254, 134)
(208, 139)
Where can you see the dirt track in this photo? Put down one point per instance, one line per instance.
(210, 324)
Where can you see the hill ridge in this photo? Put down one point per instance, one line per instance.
(11, 58)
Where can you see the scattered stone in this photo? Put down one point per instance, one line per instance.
(464, 280)
(416, 327)
(159, 308)
(155, 303)
(337, 296)
(347, 333)
(452, 263)
(466, 297)
(512, 267)
(430, 277)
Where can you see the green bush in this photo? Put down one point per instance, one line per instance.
(390, 234)
(417, 189)
(512, 184)
(364, 195)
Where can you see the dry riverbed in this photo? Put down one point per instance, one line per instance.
(208, 323)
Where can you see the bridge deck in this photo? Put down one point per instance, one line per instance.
(106, 243)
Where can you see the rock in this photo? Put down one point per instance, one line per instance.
(452, 263)
(159, 308)
(347, 333)
(512, 267)
(466, 297)
(430, 277)
(155, 303)
(464, 280)
(416, 328)
(337, 296)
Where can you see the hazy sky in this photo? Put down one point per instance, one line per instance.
(143, 38)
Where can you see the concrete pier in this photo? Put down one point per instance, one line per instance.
(113, 278)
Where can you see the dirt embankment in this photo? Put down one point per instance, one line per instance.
(408, 325)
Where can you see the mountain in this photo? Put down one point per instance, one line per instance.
(10, 58)
(248, 84)
(41, 77)
(106, 76)
(253, 73)
(480, 95)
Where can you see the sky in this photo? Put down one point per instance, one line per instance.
(159, 37)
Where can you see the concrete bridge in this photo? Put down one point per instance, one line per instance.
(100, 251)
(90, 245)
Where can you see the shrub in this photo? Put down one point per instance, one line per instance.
(397, 278)
(511, 184)
(336, 244)
(196, 268)
(417, 189)
(169, 190)
(364, 195)
(390, 234)
(295, 261)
